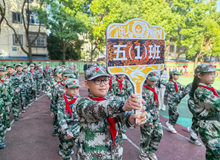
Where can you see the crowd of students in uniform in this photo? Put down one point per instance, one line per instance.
(97, 124)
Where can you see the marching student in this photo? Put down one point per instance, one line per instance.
(172, 99)
(101, 118)
(34, 83)
(151, 132)
(68, 119)
(29, 85)
(122, 89)
(39, 78)
(47, 75)
(207, 109)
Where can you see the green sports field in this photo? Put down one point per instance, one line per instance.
(185, 117)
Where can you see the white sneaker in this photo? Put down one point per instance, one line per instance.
(8, 129)
(170, 127)
(124, 136)
(43, 91)
(60, 152)
(196, 142)
(153, 156)
(72, 152)
(164, 108)
(29, 105)
(35, 99)
(23, 111)
(143, 158)
(192, 133)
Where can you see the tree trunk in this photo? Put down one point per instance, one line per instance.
(178, 56)
(30, 54)
(196, 61)
(64, 57)
(166, 50)
(91, 53)
(210, 61)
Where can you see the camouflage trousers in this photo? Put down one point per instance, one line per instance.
(55, 121)
(150, 138)
(173, 114)
(6, 117)
(33, 93)
(28, 95)
(210, 134)
(15, 102)
(39, 86)
(2, 131)
(195, 128)
(67, 144)
(43, 86)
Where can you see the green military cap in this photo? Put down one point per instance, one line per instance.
(72, 83)
(175, 72)
(58, 70)
(67, 72)
(94, 72)
(38, 65)
(205, 67)
(9, 66)
(31, 65)
(47, 62)
(19, 65)
(2, 68)
(25, 66)
(63, 66)
(153, 76)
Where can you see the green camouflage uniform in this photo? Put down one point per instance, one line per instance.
(4, 100)
(172, 99)
(47, 77)
(123, 94)
(39, 79)
(95, 140)
(150, 136)
(34, 83)
(67, 123)
(207, 110)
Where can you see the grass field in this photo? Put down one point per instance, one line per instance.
(185, 117)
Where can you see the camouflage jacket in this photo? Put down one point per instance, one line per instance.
(76, 73)
(39, 75)
(125, 92)
(16, 81)
(4, 99)
(34, 75)
(47, 75)
(9, 88)
(33, 83)
(66, 123)
(150, 104)
(207, 105)
(50, 86)
(24, 78)
(95, 140)
(170, 96)
(186, 91)
(55, 96)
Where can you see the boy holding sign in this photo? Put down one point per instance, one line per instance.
(101, 118)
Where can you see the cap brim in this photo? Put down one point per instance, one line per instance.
(74, 86)
(153, 79)
(212, 70)
(100, 75)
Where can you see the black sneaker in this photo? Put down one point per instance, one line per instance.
(55, 133)
(16, 118)
(2, 145)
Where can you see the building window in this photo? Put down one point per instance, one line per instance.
(171, 48)
(30, 1)
(15, 40)
(40, 41)
(33, 17)
(16, 17)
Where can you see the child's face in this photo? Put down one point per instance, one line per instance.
(150, 83)
(72, 92)
(32, 68)
(175, 77)
(63, 68)
(47, 65)
(121, 76)
(96, 89)
(19, 68)
(10, 70)
(59, 75)
(65, 78)
(2, 73)
(25, 70)
(207, 78)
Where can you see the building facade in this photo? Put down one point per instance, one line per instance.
(9, 45)
(172, 53)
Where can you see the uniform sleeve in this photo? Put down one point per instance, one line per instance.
(53, 101)
(209, 105)
(129, 88)
(185, 91)
(61, 117)
(93, 111)
(49, 85)
(166, 93)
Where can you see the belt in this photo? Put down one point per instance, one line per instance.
(214, 119)
(72, 123)
(120, 95)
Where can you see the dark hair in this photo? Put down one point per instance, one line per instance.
(170, 76)
(196, 81)
(66, 86)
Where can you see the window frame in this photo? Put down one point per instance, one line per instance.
(36, 42)
(14, 38)
(173, 47)
(16, 17)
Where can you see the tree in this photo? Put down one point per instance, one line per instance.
(26, 24)
(73, 52)
(64, 26)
